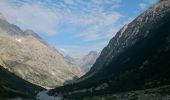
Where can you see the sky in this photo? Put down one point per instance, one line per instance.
(74, 27)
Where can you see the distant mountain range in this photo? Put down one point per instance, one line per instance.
(85, 62)
(28, 56)
(136, 58)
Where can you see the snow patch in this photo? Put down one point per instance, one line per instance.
(53, 73)
(19, 40)
(44, 96)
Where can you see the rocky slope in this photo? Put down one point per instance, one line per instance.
(138, 57)
(28, 56)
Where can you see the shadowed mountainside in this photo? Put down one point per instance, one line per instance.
(138, 57)
(12, 86)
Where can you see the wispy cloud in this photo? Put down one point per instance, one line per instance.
(42, 18)
(99, 25)
(33, 16)
(76, 22)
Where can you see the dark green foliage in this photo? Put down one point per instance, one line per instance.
(13, 86)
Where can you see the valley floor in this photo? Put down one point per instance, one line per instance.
(160, 93)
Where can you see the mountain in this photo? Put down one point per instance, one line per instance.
(28, 56)
(70, 59)
(12, 86)
(136, 58)
(87, 61)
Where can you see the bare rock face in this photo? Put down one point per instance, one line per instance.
(30, 57)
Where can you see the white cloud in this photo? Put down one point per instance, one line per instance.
(42, 19)
(98, 23)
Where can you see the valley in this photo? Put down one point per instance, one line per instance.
(134, 65)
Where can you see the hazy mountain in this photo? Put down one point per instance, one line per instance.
(30, 57)
(87, 61)
(69, 59)
(137, 58)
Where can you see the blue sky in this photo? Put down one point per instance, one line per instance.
(74, 27)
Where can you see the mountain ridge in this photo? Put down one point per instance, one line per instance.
(26, 54)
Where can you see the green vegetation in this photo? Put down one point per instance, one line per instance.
(148, 94)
